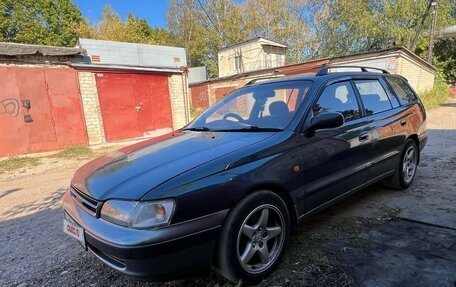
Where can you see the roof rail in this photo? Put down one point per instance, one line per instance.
(325, 70)
(253, 81)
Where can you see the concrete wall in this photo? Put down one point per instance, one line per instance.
(91, 108)
(420, 77)
(254, 56)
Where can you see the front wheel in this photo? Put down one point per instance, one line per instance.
(253, 237)
(406, 171)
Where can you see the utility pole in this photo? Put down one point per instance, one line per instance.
(432, 33)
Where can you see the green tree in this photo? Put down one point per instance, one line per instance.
(445, 58)
(46, 22)
(132, 30)
(282, 21)
(366, 25)
(219, 23)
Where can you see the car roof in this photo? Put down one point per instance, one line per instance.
(322, 78)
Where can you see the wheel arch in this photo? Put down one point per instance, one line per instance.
(283, 194)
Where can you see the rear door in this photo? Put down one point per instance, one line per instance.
(385, 119)
(335, 159)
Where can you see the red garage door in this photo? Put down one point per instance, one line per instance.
(54, 119)
(134, 105)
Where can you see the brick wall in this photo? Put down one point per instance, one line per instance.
(91, 108)
(419, 78)
(180, 103)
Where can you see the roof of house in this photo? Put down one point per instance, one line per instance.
(120, 54)
(261, 40)
(384, 52)
(15, 49)
(313, 65)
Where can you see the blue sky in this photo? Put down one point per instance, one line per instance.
(154, 11)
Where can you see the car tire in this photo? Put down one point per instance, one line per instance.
(253, 237)
(406, 170)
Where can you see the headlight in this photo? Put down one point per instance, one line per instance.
(138, 214)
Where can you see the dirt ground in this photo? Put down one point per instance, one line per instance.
(377, 237)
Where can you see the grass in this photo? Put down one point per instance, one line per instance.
(14, 163)
(75, 152)
(390, 214)
(351, 228)
(438, 95)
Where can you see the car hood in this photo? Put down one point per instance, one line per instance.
(131, 172)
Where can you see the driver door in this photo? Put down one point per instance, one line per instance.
(334, 158)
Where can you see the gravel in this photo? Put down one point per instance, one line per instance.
(406, 249)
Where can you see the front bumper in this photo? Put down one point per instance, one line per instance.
(171, 252)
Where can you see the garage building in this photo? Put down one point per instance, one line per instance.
(98, 92)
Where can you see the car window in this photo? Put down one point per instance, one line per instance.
(389, 91)
(405, 93)
(373, 96)
(341, 98)
(263, 106)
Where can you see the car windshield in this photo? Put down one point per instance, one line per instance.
(262, 107)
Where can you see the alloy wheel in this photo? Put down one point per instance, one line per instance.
(409, 164)
(261, 239)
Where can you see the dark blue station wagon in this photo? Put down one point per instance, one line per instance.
(227, 190)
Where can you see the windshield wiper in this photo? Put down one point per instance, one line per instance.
(198, 129)
(254, 129)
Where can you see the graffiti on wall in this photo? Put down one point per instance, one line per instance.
(5, 106)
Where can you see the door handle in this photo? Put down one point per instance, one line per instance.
(363, 137)
(403, 122)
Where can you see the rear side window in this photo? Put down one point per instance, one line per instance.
(341, 98)
(373, 95)
(405, 93)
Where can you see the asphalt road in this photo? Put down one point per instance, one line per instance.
(378, 237)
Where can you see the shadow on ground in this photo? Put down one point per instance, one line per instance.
(368, 239)
(330, 250)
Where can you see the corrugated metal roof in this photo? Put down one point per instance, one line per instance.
(124, 67)
(15, 49)
(131, 54)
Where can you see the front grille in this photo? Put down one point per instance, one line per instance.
(86, 202)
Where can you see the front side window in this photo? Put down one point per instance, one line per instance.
(373, 96)
(405, 93)
(269, 106)
(340, 98)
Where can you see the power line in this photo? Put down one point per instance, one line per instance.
(212, 22)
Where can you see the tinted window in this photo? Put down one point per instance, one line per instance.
(405, 93)
(373, 95)
(341, 98)
(393, 99)
(265, 106)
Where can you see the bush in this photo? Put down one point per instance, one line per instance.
(438, 95)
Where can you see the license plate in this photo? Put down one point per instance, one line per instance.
(74, 231)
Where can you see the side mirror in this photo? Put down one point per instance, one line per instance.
(327, 120)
